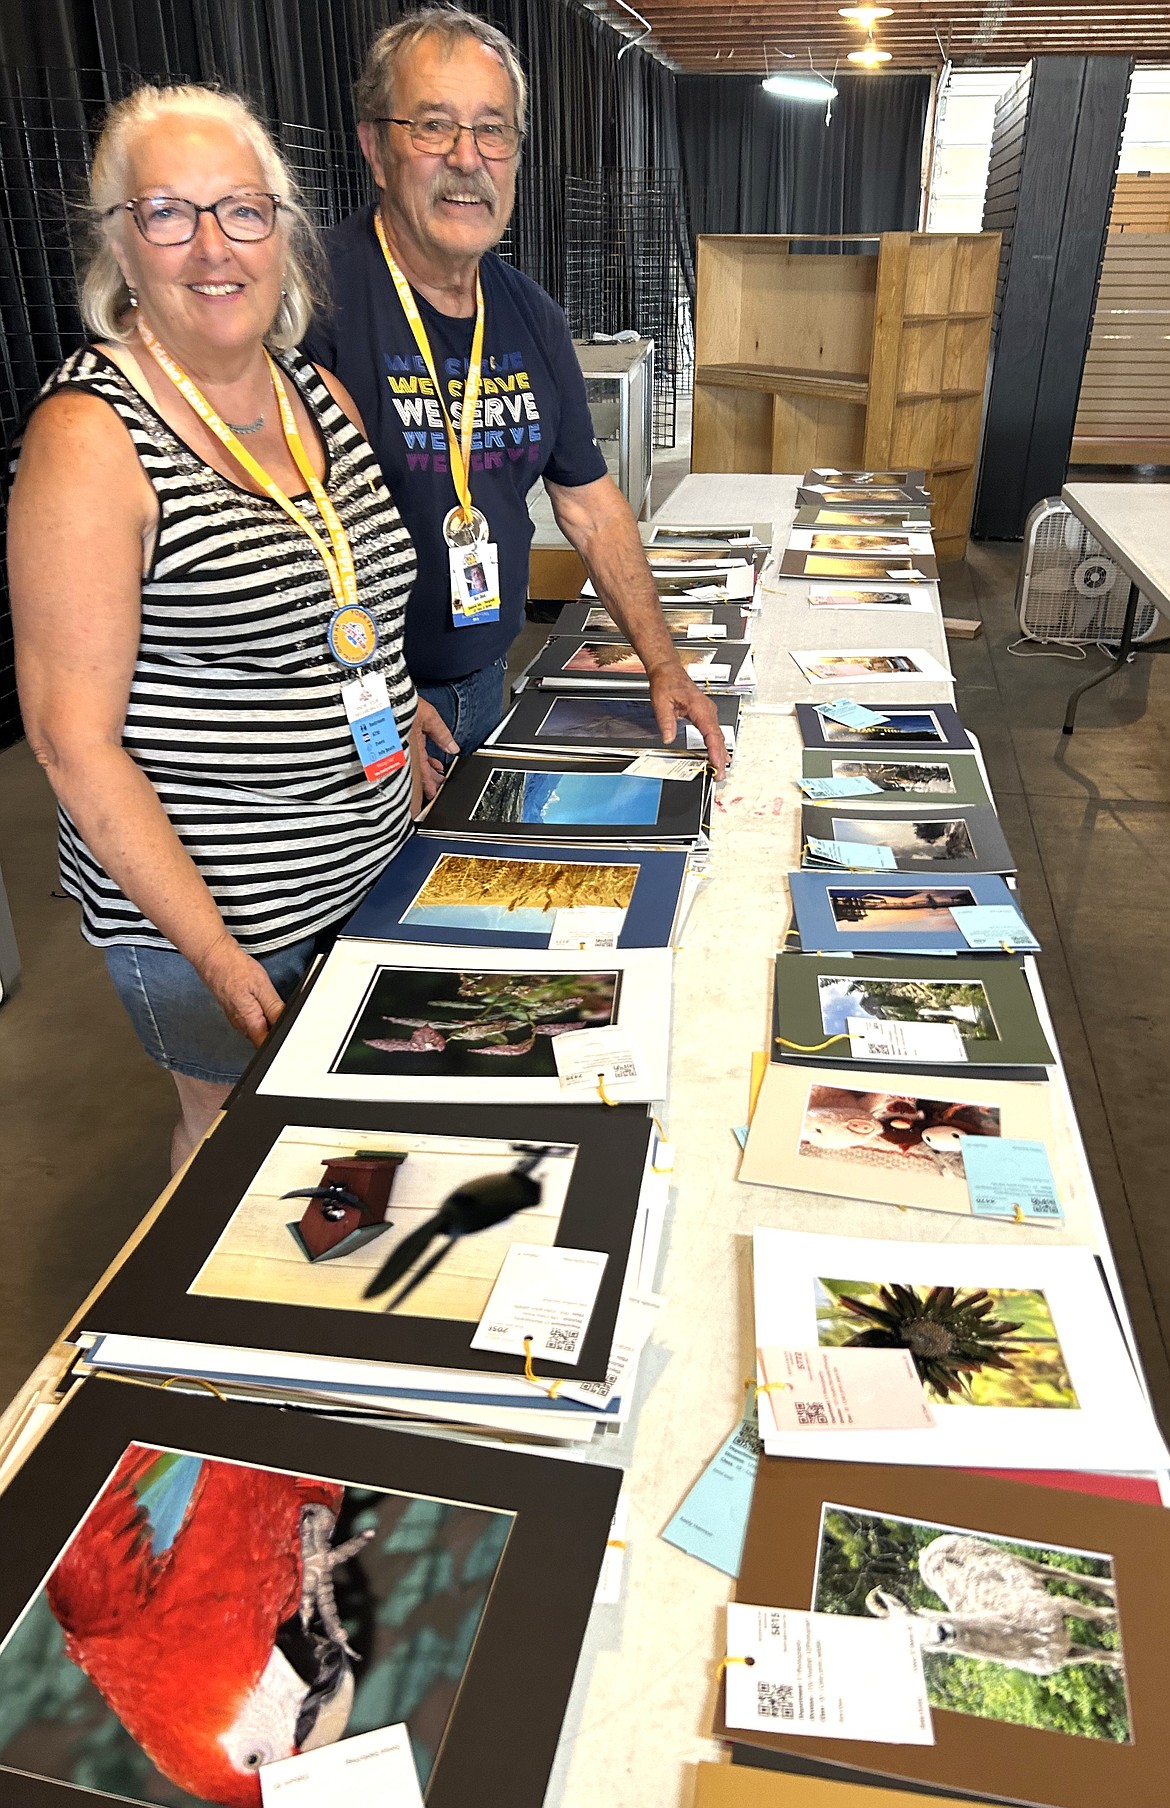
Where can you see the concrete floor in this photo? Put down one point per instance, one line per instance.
(85, 1118)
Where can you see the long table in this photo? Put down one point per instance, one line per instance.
(1130, 520)
(646, 1689)
(646, 1685)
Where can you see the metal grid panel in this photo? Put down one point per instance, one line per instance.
(625, 240)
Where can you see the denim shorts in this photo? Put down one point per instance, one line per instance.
(179, 1022)
(471, 707)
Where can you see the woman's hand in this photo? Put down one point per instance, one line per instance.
(242, 988)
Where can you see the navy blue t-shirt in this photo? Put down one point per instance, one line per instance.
(532, 420)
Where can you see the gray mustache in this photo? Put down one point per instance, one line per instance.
(478, 186)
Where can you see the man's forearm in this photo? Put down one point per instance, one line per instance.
(608, 541)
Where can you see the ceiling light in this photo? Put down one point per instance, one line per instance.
(871, 56)
(812, 87)
(864, 15)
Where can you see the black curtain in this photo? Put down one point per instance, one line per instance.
(758, 163)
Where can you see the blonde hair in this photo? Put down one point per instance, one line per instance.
(105, 296)
(375, 86)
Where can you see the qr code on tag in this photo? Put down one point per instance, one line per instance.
(747, 1438)
(812, 1412)
(561, 1337)
(774, 1701)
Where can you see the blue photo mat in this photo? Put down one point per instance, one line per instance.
(649, 919)
(820, 932)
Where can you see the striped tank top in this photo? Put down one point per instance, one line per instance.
(235, 711)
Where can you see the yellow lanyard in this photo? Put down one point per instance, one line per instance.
(459, 448)
(336, 556)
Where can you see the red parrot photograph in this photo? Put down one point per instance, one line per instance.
(226, 1616)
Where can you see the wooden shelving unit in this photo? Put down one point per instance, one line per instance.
(874, 356)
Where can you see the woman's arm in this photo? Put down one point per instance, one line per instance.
(81, 505)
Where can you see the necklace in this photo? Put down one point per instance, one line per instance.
(247, 426)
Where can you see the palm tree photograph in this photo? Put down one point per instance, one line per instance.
(971, 1346)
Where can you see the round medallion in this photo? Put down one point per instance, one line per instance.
(352, 635)
(457, 531)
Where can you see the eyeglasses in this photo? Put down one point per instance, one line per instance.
(439, 135)
(165, 220)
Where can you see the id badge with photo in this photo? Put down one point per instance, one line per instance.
(372, 725)
(475, 584)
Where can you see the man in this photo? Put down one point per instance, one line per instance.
(426, 317)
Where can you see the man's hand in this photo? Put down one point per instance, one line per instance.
(242, 988)
(673, 694)
(433, 728)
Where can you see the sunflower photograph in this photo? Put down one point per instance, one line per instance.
(971, 1346)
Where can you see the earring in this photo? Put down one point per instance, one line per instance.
(133, 294)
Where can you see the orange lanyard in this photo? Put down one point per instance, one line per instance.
(336, 555)
(459, 448)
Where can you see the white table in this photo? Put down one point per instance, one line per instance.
(1132, 522)
(646, 1688)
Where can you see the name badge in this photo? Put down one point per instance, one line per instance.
(372, 725)
(475, 584)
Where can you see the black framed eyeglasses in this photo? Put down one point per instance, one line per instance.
(245, 218)
(438, 136)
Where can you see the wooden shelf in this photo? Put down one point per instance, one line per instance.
(948, 469)
(766, 379)
(923, 319)
(938, 395)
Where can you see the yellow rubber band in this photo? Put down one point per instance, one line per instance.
(808, 1048)
(552, 1389)
(604, 1096)
(194, 1381)
(725, 1664)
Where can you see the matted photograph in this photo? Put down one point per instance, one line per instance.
(820, 598)
(678, 619)
(874, 542)
(970, 1346)
(699, 533)
(908, 725)
(574, 799)
(485, 893)
(869, 665)
(933, 776)
(1024, 1634)
(935, 838)
(896, 1131)
(963, 1003)
(465, 1024)
(208, 1617)
(848, 565)
(601, 720)
(367, 1191)
(924, 911)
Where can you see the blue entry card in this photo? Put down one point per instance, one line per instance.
(839, 787)
(856, 856)
(854, 715)
(1010, 1178)
(711, 1524)
(991, 925)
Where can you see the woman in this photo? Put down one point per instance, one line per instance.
(188, 634)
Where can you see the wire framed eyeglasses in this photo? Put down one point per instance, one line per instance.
(245, 218)
(438, 136)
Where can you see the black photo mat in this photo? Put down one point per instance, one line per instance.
(679, 814)
(907, 727)
(542, 722)
(927, 838)
(501, 1737)
(148, 1296)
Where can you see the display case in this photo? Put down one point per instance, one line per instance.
(619, 384)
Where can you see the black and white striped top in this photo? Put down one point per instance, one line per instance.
(235, 711)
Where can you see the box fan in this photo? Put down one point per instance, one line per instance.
(1069, 588)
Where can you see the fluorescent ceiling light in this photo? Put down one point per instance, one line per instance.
(800, 87)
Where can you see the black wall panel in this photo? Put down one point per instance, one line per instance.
(1049, 191)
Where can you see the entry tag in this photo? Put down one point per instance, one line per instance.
(711, 1523)
(372, 725)
(1008, 1177)
(706, 630)
(819, 788)
(873, 1039)
(543, 1293)
(587, 926)
(367, 1771)
(842, 1390)
(994, 926)
(855, 856)
(827, 1674)
(593, 1057)
(475, 584)
(853, 715)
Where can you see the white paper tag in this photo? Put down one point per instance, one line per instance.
(545, 1293)
(911, 573)
(827, 1674)
(609, 1584)
(635, 1322)
(740, 582)
(593, 1057)
(706, 630)
(892, 1041)
(841, 1390)
(663, 765)
(587, 926)
(709, 671)
(371, 1770)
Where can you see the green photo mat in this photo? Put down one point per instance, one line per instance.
(1017, 1039)
(826, 762)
